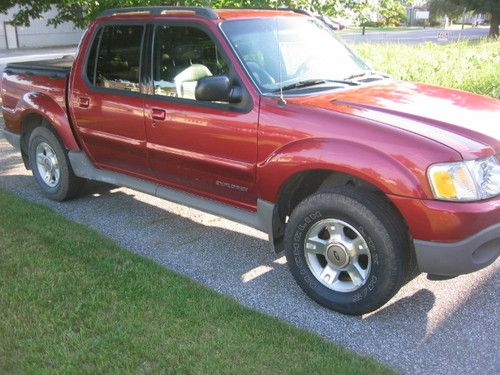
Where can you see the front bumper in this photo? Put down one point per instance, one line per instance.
(457, 258)
(13, 138)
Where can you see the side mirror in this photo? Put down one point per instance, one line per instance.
(217, 89)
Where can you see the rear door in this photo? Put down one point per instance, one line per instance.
(206, 147)
(107, 103)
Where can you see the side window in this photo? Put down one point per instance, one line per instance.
(118, 61)
(92, 56)
(182, 56)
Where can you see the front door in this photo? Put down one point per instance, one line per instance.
(206, 147)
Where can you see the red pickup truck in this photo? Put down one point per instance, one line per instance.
(266, 118)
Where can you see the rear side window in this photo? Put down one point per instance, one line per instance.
(118, 59)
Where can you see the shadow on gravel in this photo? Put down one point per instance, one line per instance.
(397, 314)
(423, 298)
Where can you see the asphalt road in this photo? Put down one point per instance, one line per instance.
(429, 327)
(416, 36)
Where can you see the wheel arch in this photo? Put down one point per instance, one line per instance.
(315, 166)
(35, 109)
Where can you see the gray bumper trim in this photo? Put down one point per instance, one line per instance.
(452, 259)
(13, 138)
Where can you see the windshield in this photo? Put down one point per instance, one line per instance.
(292, 52)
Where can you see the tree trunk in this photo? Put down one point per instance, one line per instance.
(494, 24)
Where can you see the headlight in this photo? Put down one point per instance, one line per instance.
(465, 181)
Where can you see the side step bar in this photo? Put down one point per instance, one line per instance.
(261, 220)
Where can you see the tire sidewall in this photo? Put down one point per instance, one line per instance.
(39, 135)
(384, 264)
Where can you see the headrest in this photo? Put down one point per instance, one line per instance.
(187, 52)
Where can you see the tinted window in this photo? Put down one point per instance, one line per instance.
(118, 62)
(182, 56)
(92, 56)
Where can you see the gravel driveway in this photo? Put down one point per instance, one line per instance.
(430, 327)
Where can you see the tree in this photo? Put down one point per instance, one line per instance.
(392, 11)
(440, 8)
(484, 6)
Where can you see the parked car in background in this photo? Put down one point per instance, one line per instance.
(265, 118)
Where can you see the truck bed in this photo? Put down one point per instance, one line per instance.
(53, 67)
(44, 80)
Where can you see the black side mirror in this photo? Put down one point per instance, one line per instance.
(217, 89)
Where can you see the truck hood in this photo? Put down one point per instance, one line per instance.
(468, 123)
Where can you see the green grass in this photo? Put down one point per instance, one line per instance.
(72, 301)
(469, 66)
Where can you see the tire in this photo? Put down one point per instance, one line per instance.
(52, 158)
(359, 260)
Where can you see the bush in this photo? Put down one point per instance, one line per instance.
(372, 24)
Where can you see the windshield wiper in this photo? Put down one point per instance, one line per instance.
(367, 74)
(314, 82)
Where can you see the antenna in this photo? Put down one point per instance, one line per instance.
(282, 100)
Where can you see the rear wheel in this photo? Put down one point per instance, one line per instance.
(50, 165)
(348, 249)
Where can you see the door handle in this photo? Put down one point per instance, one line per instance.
(159, 114)
(83, 102)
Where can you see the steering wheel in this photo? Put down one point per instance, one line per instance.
(263, 77)
(306, 65)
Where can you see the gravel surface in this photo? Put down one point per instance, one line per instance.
(429, 327)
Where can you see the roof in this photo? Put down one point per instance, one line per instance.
(209, 13)
(227, 14)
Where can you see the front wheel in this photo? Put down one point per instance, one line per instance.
(348, 249)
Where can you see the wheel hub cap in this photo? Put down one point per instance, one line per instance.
(337, 255)
(47, 164)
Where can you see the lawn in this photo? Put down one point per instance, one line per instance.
(72, 301)
(469, 66)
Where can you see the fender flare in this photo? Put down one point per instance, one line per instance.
(48, 109)
(359, 160)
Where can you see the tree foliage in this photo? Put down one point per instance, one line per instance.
(439, 8)
(392, 11)
(81, 12)
(484, 6)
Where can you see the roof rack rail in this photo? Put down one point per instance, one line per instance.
(158, 10)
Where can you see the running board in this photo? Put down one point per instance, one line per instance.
(261, 220)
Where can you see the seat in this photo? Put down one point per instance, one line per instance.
(186, 81)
